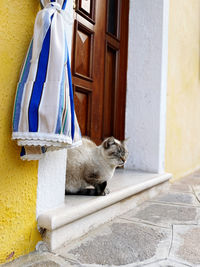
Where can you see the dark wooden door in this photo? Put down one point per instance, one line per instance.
(99, 65)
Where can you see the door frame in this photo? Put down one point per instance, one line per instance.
(147, 84)
(145, 122)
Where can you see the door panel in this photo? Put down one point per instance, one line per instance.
(99, 66)
(109, 91)
(83, 57)
(86, 8)
(82, 99)
(113, 17)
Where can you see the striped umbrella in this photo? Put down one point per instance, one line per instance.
(44, 117)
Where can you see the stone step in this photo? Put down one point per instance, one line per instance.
(80, 214)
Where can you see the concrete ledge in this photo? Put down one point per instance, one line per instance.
(124, 184)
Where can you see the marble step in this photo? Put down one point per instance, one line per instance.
(80, 214)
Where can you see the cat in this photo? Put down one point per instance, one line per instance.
(91, 165)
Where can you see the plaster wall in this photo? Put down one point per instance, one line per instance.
(146, 84)
(18, 186)
(183, 92)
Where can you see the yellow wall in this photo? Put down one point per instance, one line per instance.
(18, 185)
(183, 97)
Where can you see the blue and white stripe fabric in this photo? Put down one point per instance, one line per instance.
(44, 117)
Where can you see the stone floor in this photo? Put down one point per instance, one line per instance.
(162, 232)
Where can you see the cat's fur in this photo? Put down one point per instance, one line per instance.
(91, 165)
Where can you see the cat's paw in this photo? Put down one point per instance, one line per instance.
(106, 192)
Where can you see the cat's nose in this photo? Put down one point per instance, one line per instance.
(123, 159)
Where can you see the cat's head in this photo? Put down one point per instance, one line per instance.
(114, 151)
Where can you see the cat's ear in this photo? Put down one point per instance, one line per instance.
(124, 142)
(109, 142)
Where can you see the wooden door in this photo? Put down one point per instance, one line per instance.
(99, 65)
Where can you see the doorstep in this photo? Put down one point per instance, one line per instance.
(80, 214)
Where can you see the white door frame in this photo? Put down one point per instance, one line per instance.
(147, 84)
(145, 104)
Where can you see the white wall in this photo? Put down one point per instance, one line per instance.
(147, 84)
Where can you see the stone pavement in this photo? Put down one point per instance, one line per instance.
(162, 232)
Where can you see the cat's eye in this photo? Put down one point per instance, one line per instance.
(119, 150)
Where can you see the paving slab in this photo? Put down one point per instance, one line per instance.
(120, 243)
(164, 214)
(39, 259)
(178, 186)
(46, 263)
(178, 198)
(192, 179)
(196, 190)
(167, 263)
(186, 244)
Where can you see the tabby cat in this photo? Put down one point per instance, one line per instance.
(92, 166)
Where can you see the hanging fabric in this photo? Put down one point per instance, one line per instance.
(44, 118)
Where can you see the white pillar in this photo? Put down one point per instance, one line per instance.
(52, 168)
(51, 181)
(147, 84)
